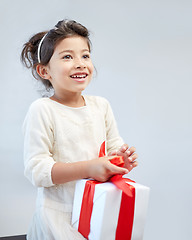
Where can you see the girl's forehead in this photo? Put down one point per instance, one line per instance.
(72, 43)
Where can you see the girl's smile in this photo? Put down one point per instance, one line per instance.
(79, 76)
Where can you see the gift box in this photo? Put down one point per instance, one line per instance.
(114, 210)
(103, 211)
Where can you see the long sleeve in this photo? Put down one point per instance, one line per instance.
(38, 144)
(114, 141)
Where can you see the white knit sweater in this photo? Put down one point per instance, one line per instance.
(54, 132)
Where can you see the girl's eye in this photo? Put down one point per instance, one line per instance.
(67, 57)
(86, 56)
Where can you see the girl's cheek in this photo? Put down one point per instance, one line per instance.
(91, 67)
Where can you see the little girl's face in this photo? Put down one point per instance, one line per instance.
(70, 68)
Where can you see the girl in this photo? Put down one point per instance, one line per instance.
(63, 133)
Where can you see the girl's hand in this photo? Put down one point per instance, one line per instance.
(128, 154)
(101, 169)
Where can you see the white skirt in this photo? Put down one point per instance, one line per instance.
(51, 224)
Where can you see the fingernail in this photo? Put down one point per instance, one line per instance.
(128, 152)
(130, 159)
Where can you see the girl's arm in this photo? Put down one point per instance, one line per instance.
(99, 169)
(115, 144)
(38, 145)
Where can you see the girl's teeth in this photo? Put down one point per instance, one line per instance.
(78, 76)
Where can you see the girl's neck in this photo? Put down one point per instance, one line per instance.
(76, 100)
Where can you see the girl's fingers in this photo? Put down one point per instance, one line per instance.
(132, 150)
(123, 148)
(118, 170)
(133, 157)
(133, 165)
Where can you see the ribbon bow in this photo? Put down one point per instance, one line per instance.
(117, 179)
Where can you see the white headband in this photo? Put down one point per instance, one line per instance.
(40, 43)
(39, 48)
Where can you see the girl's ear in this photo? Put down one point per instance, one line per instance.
(42, 71)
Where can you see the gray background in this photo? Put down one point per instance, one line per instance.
(142, 50)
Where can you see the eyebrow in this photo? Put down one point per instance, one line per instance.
(68, 50)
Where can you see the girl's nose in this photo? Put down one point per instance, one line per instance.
(79, 63)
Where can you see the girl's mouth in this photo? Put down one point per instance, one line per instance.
(81, 76)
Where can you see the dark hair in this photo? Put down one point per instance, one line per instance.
(62, 30)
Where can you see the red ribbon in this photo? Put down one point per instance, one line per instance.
(126, 213)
